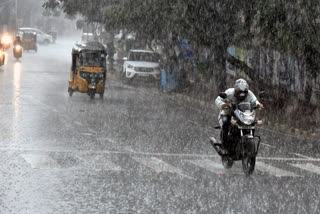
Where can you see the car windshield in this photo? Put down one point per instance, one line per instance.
(93, 59)
(144, 57)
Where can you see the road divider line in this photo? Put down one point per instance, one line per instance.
(160, 166)
(299, 155)
(213, 166)
(99, 162)
(308, 167)
(40, 161)
(78, 123)
(46, 150)
(274, 170)
(42, 104)
(268, 145)
(108, 139)
(93, 131)
(87, 133)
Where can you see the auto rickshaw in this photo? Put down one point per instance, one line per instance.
(29, 41)
(88, 69)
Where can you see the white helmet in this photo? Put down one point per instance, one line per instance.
(241, 89)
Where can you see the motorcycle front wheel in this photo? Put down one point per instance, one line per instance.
(227, 162)
(248, 165)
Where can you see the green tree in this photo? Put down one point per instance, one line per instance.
(289, 26)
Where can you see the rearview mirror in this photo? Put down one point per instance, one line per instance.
(262, 94)
(223, 95)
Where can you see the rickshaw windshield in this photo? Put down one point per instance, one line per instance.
(93, 59)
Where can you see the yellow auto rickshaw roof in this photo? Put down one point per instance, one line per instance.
(88, 46)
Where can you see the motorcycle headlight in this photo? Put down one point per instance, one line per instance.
(18, 47)
(248, 117)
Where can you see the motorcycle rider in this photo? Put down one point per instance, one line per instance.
(17, 41)
(239, 93)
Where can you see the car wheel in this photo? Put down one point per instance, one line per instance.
(123, 75)
(46, 42)
(70, 90)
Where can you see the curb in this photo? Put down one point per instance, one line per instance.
(282, 127)
(290, 130)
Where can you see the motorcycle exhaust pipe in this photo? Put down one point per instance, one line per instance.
(216, 146)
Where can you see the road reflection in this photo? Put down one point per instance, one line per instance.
(16, 96)
(6, 58)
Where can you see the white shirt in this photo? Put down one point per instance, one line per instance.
(231, 99)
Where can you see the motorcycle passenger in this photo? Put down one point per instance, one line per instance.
(240, 93)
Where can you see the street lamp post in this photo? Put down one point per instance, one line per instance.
(16, 14)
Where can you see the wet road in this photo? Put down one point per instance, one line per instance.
(135, 151)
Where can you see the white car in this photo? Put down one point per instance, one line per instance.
(87, 37)
(42, 37)
(141, 63)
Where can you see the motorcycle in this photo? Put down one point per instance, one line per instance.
(242, 144)
(17, 51)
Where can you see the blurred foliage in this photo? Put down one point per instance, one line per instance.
(203, 69)
(289, 26)
(286, 25)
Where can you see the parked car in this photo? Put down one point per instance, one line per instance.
(42, 37)
(54, 35)
(141, 63)
(87, 37)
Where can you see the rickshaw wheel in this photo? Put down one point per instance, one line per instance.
(70, 92)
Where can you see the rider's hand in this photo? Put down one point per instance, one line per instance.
(261, 106)
(225, 106)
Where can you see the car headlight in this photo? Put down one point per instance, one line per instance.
(6, 39)
(130, 66)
